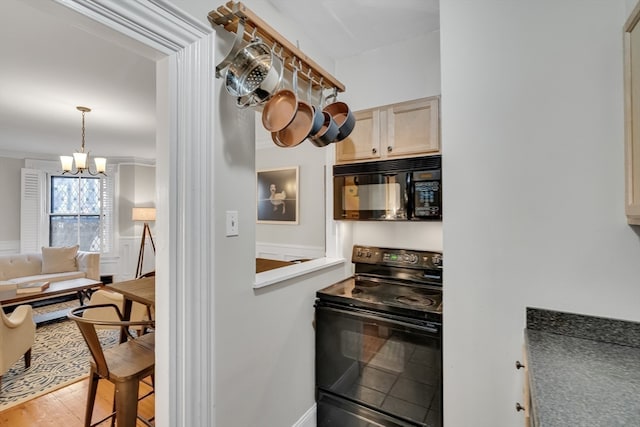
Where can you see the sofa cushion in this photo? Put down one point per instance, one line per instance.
(20, 265)
(59, 260)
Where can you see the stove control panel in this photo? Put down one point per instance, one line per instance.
(396, 257)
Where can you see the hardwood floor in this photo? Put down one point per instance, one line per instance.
(65, 407)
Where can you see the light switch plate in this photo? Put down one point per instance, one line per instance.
(232, 223)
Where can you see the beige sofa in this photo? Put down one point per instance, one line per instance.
(52, 264)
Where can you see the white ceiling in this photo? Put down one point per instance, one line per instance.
(51, 64)
(349, 27)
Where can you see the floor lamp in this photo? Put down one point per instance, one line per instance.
(146, 215)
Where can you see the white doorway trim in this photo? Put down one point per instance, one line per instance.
(183, 49)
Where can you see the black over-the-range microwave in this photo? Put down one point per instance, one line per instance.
(389, 190)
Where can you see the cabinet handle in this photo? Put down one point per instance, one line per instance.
(374, 151)
(389, 148)
(519, 407)
(519, 365)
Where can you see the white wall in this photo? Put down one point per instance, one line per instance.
(10, 205)
(309, 233)
(533, 160)
(136, 188)
(264, 339)
(400, 72)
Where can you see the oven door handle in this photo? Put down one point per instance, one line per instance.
(368, 315)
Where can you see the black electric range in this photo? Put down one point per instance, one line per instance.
(396, 281)
(379, 341)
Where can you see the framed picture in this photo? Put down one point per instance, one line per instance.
(277, 195)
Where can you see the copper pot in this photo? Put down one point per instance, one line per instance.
(318, 117)
(343, 116)
(300, 125)
(328, 132)
(280, 110)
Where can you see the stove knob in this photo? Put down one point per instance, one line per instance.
(368, 254)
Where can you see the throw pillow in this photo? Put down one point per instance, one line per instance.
(59, 260)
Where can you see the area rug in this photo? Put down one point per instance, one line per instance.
(59, 357)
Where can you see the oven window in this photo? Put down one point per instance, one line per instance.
(395, 369)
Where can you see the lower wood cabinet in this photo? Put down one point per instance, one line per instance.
(632, 116)
(525, 405)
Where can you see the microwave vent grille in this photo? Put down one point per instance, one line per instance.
(389, 166)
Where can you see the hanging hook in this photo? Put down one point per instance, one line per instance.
(235, 48)
(310, 77)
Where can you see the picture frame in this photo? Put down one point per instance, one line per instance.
(277, 198)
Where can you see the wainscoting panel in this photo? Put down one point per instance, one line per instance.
(129, 249)
(9, 247)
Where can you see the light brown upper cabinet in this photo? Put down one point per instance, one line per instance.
(406, 129)
(632, 116)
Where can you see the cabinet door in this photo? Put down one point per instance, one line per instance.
(526, 392)
(632, 116)
(413, 128)
(364, 141)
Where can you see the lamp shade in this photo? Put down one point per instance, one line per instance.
(143, 214)
(81, 160)
(101, 165)
(67, 163)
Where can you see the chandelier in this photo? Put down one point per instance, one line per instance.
(81, 158)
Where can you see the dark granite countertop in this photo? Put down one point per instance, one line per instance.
(583, 370)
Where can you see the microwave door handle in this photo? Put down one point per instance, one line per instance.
(408, 195)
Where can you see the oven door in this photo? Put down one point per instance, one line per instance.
(376, 367)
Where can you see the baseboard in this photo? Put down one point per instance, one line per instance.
(308, 419)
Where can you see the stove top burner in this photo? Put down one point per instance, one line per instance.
(364, 284)
(387, 295)
(427, 293)
(416, 302)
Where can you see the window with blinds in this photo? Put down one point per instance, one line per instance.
(61, 210)
(75, 212)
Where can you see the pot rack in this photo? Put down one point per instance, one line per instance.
(229, 16)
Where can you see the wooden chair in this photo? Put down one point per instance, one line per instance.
(125, 365)
(139, 312)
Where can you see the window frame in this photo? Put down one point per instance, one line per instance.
(101, 215)
(37, 217)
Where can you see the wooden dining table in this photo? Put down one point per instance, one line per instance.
(138, 290)
(141, 290)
